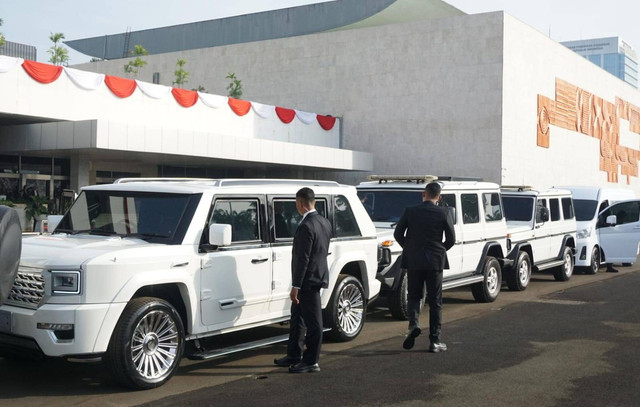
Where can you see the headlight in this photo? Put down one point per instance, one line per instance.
(584, 233)
(65, 282)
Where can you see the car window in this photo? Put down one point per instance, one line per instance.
(492, 207)
(286, 217)
(567, 208)
(345, 221)
(470, 210)
(242, 215)
(449, 201)
(625, 212)
(542, 203)
(518, 208)
(554, 208)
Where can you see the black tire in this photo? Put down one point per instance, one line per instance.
(594, 265)
(564, 272)
(489, 288)
(519, 276)
(346, 310)
(398, 299)
(10, 249)
(120, 358)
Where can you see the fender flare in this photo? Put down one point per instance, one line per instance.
(485, 252)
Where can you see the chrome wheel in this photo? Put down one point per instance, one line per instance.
(567, 267)
(154, 345)
(524, 273)
(492, 280)
(595, 260)
(350, 309)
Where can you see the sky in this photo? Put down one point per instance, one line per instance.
(32, 21)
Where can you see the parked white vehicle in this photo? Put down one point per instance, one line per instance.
(479, 253)
(618, 231)
(589, 202)
(542, 233)
(137, 268)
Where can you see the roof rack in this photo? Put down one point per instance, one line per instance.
(518, 188)
(418, 179)
(127, 180)
(232, 182)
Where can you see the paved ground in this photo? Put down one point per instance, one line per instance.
(573, 344)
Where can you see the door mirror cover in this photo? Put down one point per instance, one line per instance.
(219, 235)
(612, 220)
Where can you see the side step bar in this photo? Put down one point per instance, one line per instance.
(463, 281)
(241, 347)
(549, 265)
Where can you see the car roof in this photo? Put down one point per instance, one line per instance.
(531, 191)
(413, 185)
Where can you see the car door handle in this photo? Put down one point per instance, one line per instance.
(258, 261)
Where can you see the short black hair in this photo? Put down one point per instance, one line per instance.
(433, 189)
(306, 195)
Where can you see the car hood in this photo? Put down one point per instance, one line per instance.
(71, 250)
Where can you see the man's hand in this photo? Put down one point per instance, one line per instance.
(294, 295)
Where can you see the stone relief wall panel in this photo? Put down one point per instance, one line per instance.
(578, 110)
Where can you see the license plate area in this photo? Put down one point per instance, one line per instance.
(5, 321)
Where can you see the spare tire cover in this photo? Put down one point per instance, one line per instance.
(10, 249)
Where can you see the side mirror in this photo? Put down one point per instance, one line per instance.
(219, 235)
(612, 220)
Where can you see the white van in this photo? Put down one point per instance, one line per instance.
(588, 203)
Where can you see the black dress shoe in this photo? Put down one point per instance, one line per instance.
(410, 340)
(303, 367)
(437, 347)
(286, 361)
(611, 270)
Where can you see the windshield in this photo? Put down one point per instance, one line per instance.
(518, 208)
(388, 205)
(150, 216)
(585, 209)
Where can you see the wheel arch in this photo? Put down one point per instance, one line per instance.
(493, 249)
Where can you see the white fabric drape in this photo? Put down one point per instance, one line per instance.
(264, 111)
(153, 90)
(214, 101)
(83, 79)
(306, 117)
(8, 63)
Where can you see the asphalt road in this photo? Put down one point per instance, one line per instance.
(556, 344)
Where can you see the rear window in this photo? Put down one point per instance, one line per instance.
(567, 208)
(554, 206)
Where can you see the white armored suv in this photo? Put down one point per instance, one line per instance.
(479, 253)
(138, 268)
(542, 233)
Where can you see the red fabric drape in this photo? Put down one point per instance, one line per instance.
(239, 107)
(120, 87)
(186, 98)
(285, 115)
(43, 73)
(326, 122)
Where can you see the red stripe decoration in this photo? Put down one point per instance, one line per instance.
(239, 107)
(43, 73)
(186, 98)
(326, 122)
(285, 115)
(121, 87)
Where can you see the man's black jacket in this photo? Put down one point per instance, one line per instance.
(309, 269)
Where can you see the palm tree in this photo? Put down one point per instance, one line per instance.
(132, 67)
(59, 55)
(182, 76)
(235, 87)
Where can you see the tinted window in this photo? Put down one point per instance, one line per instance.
(449, 201)
(242, 215)
(388, 206)
(626, 212)
(518, 208)
(585, 209)
(492, 207)
(542, 203)
(286, 217)
(567, 208)
(554, 206)
(470, 211)
(345, 222)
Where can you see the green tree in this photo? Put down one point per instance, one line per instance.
(59, 54)
(235, 86)
(132, 67)
(2, 41)
(200, 88)
(181, 75)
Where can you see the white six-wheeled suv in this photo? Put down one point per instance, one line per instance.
(137, 268)
(479, 253)
(542, 233)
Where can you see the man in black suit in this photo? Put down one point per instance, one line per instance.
(424, 255)
(310, 273)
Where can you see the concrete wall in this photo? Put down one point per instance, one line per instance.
(423, 97)
(532, 62)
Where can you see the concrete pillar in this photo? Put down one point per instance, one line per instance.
(80, 172)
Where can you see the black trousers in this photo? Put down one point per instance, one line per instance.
(306, 327)
(416, 281)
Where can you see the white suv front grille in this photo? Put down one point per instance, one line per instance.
(28, 289)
